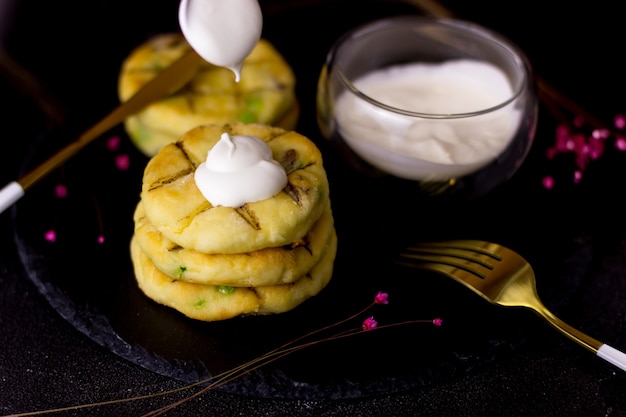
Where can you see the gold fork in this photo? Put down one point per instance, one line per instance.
(502, 277)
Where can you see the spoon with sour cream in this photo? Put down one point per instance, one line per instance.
(222, 32)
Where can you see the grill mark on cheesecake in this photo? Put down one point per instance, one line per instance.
(228, 128)
(248, 215)
(175, 248)
(271, 136)
(307, 247)
(256, 294)
(298, 193)
(288, 160)
(291, 163)
(303, 243)
(292, 191)
(277, 134)
(168, 180)
(205, 206)
(179, 175)
(181, 147)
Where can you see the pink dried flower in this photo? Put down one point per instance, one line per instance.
(586, 142)
(578, 176)
(582, 160)
(595, 148)
(100, 239)
(114, 143)
(578, 121)
(369, 324)
(381, 298)
(562, 138)
(552, 152)
(122, 162)
(60, 191)
(582, 134)
(576, 143)
(600, 133)
(438, 322)
(548, 183)
(50, 236)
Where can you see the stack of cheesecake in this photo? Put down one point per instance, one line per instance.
(213, 262)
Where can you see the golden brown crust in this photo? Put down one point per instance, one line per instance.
(176, 208)
(267, 266)
(212, 303)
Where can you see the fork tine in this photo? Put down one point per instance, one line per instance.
(458, 260)
(471, 256)
(437, 261)
(486, 248)
(449, 256)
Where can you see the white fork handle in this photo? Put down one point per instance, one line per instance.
(11, 192)
(613, 356)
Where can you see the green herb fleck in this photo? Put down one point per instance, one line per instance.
(247, 117)
(254, 104)
(225, 289)
(180, 271)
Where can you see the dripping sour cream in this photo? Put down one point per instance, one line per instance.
(222, 32)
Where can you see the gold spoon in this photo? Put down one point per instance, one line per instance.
(165, 83)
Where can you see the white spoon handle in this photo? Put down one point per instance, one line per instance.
(613, 356)
(11, 192)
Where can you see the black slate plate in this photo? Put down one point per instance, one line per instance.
(92, 284)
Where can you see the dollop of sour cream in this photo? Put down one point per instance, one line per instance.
(222, 32)
(239, 169)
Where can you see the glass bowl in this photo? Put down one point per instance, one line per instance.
(442, 103)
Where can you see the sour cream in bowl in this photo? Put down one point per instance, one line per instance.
(429, 100)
